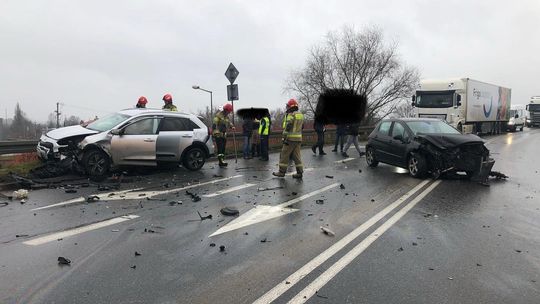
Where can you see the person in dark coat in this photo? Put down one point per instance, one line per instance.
(247, 130)
(319, 128)
(341, 130)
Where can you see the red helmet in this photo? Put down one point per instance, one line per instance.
(292, 103)
(167, 98)
(142, 100)
(228, 108)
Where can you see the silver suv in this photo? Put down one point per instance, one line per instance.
(144, 137)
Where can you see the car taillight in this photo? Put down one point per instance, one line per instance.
(209, 131)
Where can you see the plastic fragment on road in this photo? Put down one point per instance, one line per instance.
(137, 253)
(208, 217)
(92, 198)
(230, 211)
(327, 231)
(319, 202)
(64, 261)
(329, 176)
(194, 197)
(133, 267)
(222, 248)
(20, 194)
(341, 186)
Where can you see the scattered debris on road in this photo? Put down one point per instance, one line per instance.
(137, 253)
(222, 248)
(194, 197)
(319, 202)
(265, 241)
(92, 198)
(64, 261)
(21, 235)
(20, 194)
(230, 211)
(329, 176)
(270, 188)
(320, 296)
(172, 203)
(400, 249)
(341, 186)
(212, 244)
(133, 267)
(327, 231)
(208, 217)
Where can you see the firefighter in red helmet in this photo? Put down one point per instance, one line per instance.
(292, 140)
(141, 103)
(169, 103)
(220, 125)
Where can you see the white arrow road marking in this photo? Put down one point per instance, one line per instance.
(232, 189)
(294, 278)
(64, 234)
(331, 272)
(263, 213)
(344, 160)
(135, 194)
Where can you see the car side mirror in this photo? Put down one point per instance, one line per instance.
(458, 100)
(117, 131)
(413, 98)
(399, 137)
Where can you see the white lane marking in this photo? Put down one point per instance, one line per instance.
(135, 194)
(263, 213)
(305, 170)
(294, 278)
(344, 160)
(331, 272)
(79, 230)
(229, 190)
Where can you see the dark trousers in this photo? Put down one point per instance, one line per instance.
(264, 147)
(221, 142)
(320, 141)
(340, 140)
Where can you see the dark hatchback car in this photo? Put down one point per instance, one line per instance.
(424, 145)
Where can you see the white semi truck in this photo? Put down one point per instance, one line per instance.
(469, 105)
(533, 117)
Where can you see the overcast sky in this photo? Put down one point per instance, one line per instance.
(100, 56)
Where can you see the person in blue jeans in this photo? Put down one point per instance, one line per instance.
(247, 130)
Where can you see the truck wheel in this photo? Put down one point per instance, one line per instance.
(417, 165)
(370, 157)
(460, 128)
(96, 164)
(194, 159)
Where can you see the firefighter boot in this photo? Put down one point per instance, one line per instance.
(221, 162)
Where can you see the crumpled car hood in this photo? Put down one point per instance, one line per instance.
(69, 131)
(449, 141)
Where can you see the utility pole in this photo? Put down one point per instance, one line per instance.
(57, 115)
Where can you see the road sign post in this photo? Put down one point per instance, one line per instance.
(232, 94)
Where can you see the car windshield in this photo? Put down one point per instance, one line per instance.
(108, 122)
(431, 127)
(444, 100)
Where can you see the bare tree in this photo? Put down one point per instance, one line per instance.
(404, 109)
(357, 60)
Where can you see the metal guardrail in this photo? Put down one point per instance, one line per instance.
(309, 137)
(19, 146)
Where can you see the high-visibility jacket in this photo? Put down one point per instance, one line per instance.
(220, 125)
(292, 126)
(264, 126)
(170, 107)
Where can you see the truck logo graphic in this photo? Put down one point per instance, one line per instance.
(487, 113)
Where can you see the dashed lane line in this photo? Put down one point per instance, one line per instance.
(64, 234)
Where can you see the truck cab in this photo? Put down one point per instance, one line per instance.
(533, 108)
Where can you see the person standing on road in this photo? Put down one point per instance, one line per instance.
(264, 130)
(169, 103)
(247, 132)
(141, 103)
(292, 140)
(340, 137)
(352, 138)
(255, 140)
(219, 131)
(319, 128)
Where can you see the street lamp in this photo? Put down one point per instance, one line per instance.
(196, 87)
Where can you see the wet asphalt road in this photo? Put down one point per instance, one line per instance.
(397, 239)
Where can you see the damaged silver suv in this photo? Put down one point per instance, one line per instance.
(141, 137)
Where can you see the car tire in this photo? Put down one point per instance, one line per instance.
(96, 164)
(417, 165)
(521, 129)
(194, 159)
(370, 157)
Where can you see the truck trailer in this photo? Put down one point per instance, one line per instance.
(469, 105)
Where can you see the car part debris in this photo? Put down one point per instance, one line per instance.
(217, 175)
(172, 203)
(320, 296)
(265, 240)
(230, 211)
(23, 201)
(212, 244)
(498, 175)
(194, 197)
(4, 204)
(327, 231)
(92, 198)
(400, 249)
(149, 230)
(222, 248)
(329, 176)
(70, 191)
(133, 267)
(208, 217)
(359, 170)
(64, 261)
(270, 188)
(21, 235)
(20, 194)
(137, 254)
(341, 186)
(319, 202)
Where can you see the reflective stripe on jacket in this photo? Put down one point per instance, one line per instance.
(264, 126)
(293, 124)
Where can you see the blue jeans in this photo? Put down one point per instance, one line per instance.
(247, 140)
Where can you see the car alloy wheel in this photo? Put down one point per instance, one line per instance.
(96, 163)
(370, 157)
(194, 159)
(413, 165)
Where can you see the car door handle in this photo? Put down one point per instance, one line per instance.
(149, 140)
(187, 136)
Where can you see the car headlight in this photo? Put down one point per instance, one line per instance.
(511, 122)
